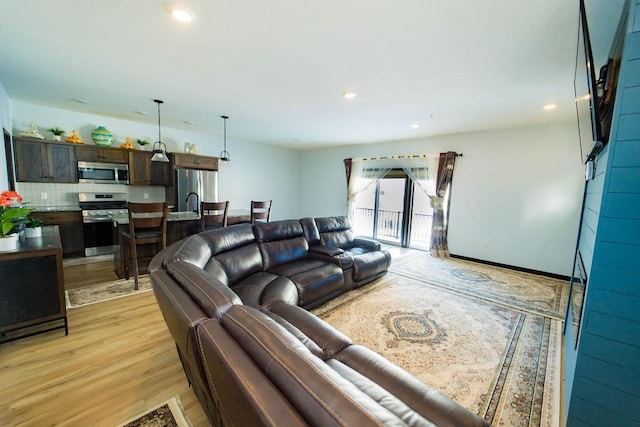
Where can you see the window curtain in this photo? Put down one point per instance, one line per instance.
(440, 223)
(361, 175)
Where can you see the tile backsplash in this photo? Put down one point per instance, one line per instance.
(66, 195)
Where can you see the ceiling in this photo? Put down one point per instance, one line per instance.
(278, 68)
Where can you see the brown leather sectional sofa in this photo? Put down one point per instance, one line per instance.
(232, 299)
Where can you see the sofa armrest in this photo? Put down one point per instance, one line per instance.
(326, 250)
(325, 336)
(342, 259)
(364, 242)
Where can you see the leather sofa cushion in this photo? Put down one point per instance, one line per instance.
(315, 279)
(194, 250)
(333, 223)
(213, 297)
(263, 289)
(231, 237)
(369, 264)
(332, 401)
(281, 242)
(240, 262)
(311, 232)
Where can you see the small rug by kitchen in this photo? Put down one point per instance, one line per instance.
(525, 291)
(70, 262)
(106, 291)
(499, 362)
(167, 414)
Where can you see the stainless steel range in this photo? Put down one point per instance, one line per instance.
(96, 222)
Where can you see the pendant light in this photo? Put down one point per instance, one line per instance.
(159, 147)
(224, 155)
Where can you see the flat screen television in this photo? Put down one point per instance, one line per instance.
(584, 85)
(595, 96)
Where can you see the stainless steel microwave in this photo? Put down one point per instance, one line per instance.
(103, 173)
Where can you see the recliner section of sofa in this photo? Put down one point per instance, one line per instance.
(369, 261)
(231, 299)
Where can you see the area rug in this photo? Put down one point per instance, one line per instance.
(70, 262)
(106, 291)
(531, 292)
(499, 362)
(167, 414)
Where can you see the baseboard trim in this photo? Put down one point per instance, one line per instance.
(513, 267)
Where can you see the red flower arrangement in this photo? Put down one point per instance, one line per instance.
(12, 213)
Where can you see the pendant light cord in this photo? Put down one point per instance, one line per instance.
(157, 101)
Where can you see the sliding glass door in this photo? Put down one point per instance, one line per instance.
(394, 210)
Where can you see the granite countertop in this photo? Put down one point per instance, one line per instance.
(179, 216)
(173, 216)
(55, 208)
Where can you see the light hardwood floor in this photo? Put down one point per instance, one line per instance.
(118, 361)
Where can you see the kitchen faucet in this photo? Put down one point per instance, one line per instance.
(193, 193)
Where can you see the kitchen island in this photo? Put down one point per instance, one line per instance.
(32, 288)
(178, 226)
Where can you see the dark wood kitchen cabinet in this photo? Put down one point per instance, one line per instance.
(70, 225)
(142, 171)
(102, 154)
(194, 161)
(42, 161)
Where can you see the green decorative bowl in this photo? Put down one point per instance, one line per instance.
(102, 137)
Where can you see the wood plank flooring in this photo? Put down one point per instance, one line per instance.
(118, 361)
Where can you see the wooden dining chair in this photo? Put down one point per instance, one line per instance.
(147, 225)
(260, 211)
(213, 215)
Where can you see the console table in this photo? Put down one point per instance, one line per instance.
(32, 289)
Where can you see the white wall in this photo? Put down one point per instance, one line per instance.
(256, 171)
(5, 122)
(517, 191)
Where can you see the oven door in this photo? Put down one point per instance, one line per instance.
(98, 236)
(103, 173)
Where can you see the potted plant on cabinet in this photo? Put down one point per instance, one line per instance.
(57, 133)
(142, 143)
(34, 227)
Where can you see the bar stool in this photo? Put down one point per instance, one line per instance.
(213, 215)
(147, 224)
(260, 211)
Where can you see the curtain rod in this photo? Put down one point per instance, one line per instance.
(403, 156)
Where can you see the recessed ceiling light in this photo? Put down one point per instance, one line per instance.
(181, 14)
(349, 95)
(415, 126)
(142, 113)
(80, 100)
(550, 107)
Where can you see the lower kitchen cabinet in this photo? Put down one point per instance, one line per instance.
(70, 225)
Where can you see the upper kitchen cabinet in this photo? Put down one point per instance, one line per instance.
(142, 171)
(41, 161)
(194, 161)
(101, 154)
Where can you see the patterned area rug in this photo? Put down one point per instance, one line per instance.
(530, 292)
(106, 291)
(499, 362)
(168, 414)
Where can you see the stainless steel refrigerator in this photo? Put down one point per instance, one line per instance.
(189, 181)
